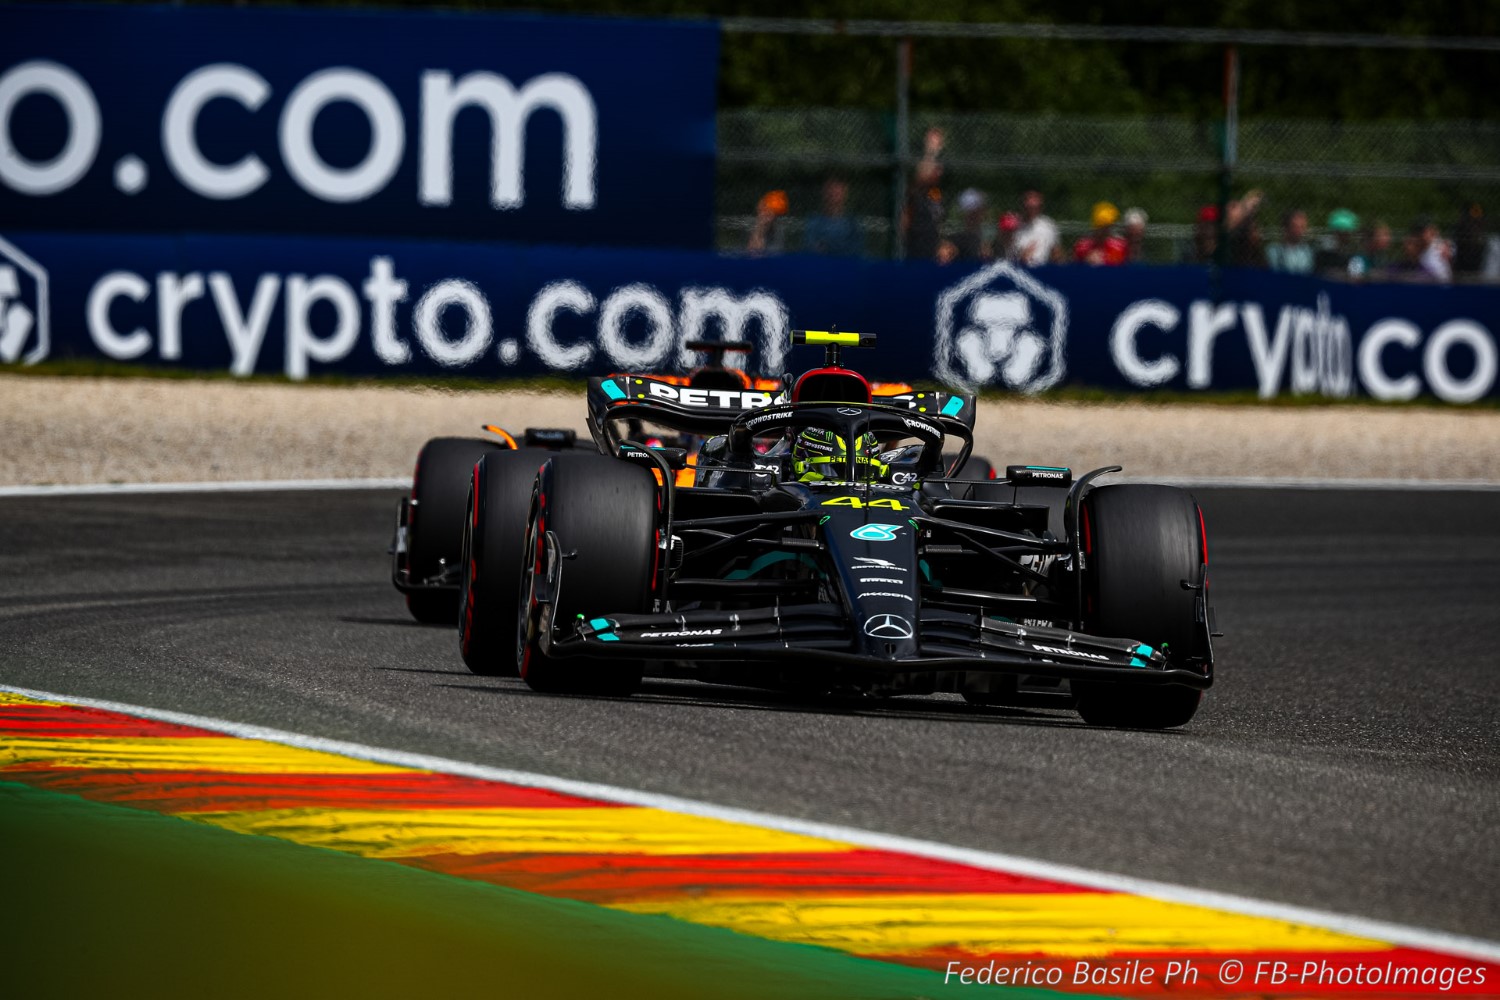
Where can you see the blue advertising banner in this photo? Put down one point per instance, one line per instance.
(305, 306)
(402, 124)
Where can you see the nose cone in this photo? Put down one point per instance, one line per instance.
(875, 554)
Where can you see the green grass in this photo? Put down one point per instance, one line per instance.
(104, 901)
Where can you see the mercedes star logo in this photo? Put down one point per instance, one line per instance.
(888, 627)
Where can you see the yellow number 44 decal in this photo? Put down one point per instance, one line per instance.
(887, 503)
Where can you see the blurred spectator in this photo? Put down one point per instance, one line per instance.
(1293, 255)
(1491, 270)
(1435, 254)
(833, 231)
(922, 217)
(1135, 234)
(1205, 235)
(1005, 235)
(769, 233)
(1101, 246)
(970, 243)
(1340, 256)
(1468, 240)
(1242, 225)
(1408, 265)
(1036, 241)
(1378, 248)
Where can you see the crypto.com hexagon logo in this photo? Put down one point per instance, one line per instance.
(1001, 324)
(23, 307)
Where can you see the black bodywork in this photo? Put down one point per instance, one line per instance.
(908, 585)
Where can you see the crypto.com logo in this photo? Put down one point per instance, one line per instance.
(1000, 323)
(208, 90)
(23, 307)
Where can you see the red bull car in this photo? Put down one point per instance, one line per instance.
(825, 543)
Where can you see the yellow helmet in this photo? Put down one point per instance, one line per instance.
(816, 449)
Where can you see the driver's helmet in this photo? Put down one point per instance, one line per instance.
(819, 454)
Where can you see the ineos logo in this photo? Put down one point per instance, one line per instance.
(888, 627)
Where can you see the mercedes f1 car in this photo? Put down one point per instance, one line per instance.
(824, 544)
(429, 520)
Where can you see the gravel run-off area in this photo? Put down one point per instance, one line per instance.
(69, 430)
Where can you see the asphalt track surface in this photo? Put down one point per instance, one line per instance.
(1347, 760)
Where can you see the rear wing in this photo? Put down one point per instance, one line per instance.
(936, 402)
(710, 411)
(682, 408)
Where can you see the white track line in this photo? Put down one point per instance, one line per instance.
(1414, 937)
(1312, 483)
(233, 486)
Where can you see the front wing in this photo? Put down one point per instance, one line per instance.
(948, 640)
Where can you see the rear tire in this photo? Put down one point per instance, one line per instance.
(434, 533)
(1140, 544)
(493, 531)
(603, 512)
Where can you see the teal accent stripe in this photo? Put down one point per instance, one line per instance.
(612, 390)
(1143, 650)
(599, 623)
(951, 408)
(1136, 661)
(770, 559)
(1049, 468)
(607, 637)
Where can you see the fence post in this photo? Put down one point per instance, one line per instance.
(903, 145)
(1229, 149)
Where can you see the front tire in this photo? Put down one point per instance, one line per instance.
(603, 512)
(493, 532)
(1140, 544)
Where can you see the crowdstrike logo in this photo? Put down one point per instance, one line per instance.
(25, 335)
(1000, 324)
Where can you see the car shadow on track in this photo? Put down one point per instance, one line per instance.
(393, 620)
(712, 696)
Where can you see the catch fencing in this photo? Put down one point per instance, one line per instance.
(1181, 168)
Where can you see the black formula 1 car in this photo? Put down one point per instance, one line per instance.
(874, 573)
(426, 546)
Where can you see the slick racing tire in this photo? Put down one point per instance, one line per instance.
(493, 528)
(603, 513)
(434, 533)
(1140, 544)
